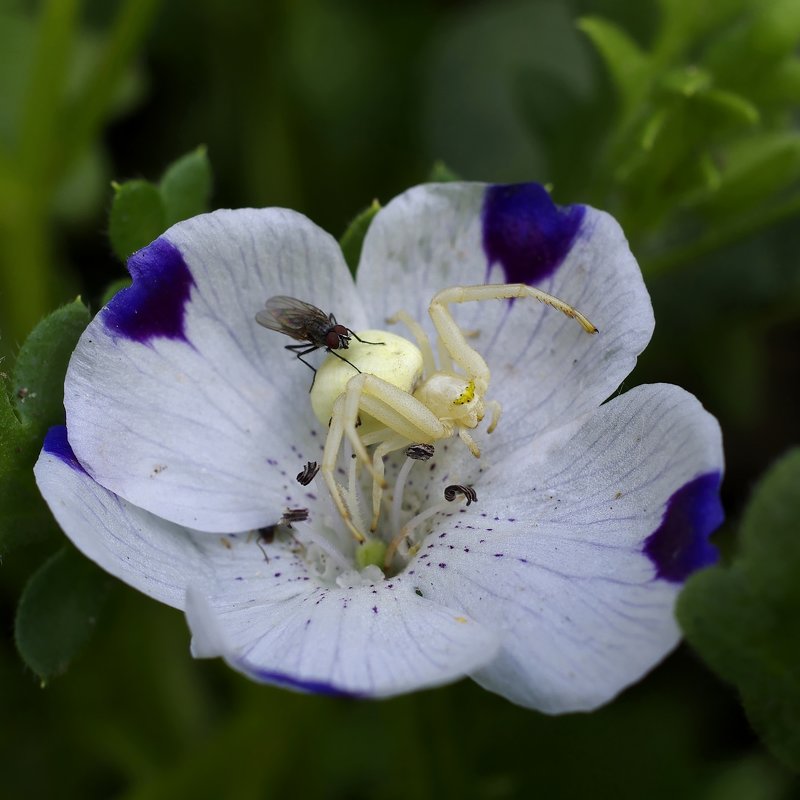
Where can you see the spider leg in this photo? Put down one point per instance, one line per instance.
(330, 456)
(406, 419)
(453, 338)
(496, 409)
(381, 451)
(423, 342)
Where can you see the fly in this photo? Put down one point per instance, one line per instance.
(311, 326)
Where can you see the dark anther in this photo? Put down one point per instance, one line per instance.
(307, 475)
(420, 452)
(450, 493)
(266, 535)
(294, 515)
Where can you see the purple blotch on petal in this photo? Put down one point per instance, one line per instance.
(56, 444)
(154, 305)
(289, 682)
(526, 233)
(681, 544)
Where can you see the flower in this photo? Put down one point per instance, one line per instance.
(187, 423)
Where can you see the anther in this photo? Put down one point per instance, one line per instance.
(420, 452)
(294, 515)
(308, 473)
(455, 489)
(267, 533)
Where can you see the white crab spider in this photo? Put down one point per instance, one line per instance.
(400, 398)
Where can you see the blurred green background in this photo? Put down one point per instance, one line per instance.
(686, 131)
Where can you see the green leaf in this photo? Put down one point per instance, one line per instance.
(186, 186)
(686, 81)
(756, 168)
(36, 403)
(783, 87)
(441, 173)
(734, 105)
(58, 611)
(744, 620)
(353, 237)
(776, 29)
(630, 67)
(137, 217)
(684, 21)
(23, 518)
(38, 382)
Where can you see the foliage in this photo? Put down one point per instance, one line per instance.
(30, 402)
(679, 117)
(745, 619)
(140, 210)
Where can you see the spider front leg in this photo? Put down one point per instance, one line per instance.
(406, 419)
(453, 337)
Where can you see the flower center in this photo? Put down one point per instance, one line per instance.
(387, 395)
(409, 510)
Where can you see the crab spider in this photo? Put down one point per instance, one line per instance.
(400, 397)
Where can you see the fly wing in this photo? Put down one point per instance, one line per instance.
(291, 316)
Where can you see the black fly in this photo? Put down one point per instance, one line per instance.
(310, 325)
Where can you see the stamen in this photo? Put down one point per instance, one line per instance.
(455, 489)
(399, 489)
(294, 515)
(315, 537)
(308, 473)
(420, 452)
(407, 529)
(267, 533)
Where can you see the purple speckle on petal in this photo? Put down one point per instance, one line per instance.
(526, 233)
(680, 545)
(57, 444)
(154, 305)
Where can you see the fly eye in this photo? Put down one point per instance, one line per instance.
(333, 339)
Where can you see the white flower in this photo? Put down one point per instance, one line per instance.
(188, 423)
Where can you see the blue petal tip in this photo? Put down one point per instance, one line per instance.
(289, 682)
(56, 444)
(526, 233)
(154, 305)
(681, 543)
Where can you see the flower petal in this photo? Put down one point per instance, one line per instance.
(176, 399)
(276, 626)
(152, 555)
(545, 369)
(559, 553)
